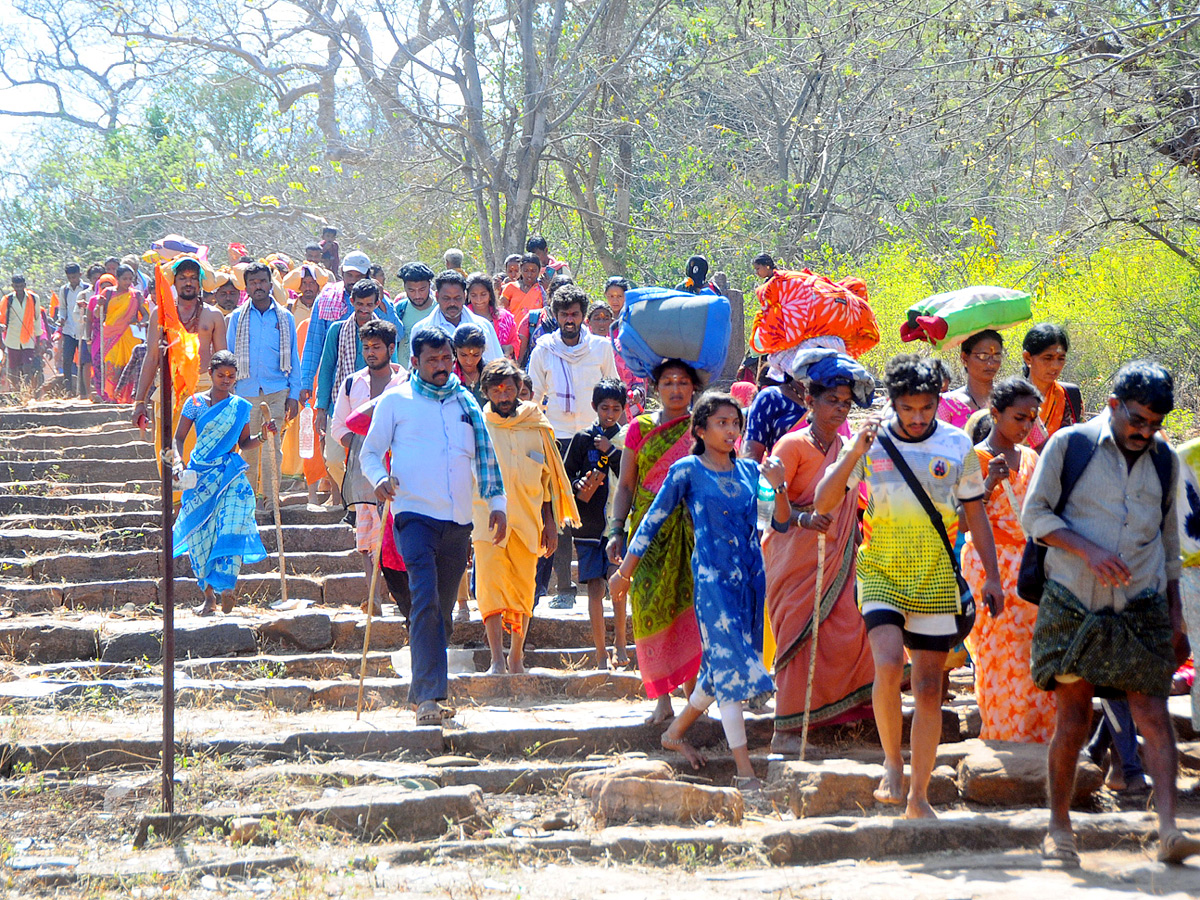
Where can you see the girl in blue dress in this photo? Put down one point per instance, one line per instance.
(721, 493)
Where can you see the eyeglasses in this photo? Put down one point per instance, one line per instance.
(1140, 423)
(986, 358)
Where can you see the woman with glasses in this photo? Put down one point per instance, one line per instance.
(982, 356)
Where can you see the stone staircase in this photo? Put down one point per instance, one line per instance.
(266, 696)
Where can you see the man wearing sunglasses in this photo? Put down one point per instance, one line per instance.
(1110, 619)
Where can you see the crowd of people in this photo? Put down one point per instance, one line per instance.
(486, 418)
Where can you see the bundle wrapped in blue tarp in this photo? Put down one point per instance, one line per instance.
(659, 323)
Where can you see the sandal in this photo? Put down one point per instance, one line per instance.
(1175, 847)
(431, 714)
(1059, 846)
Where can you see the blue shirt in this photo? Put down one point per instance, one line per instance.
(772, 415)
(318, 328)
(265, 374)
(323, 398)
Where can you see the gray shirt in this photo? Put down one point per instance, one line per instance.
(1114, 505)
(73, 321)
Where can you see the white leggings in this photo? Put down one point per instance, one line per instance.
(731, 716)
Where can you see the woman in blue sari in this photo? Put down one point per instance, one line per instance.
(215, 526)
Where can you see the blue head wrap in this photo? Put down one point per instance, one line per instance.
(829, 368)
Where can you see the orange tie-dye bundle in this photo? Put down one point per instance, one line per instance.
(797, 306)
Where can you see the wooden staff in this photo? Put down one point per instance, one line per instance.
(812, 656)
(377, 553)
(272, 446)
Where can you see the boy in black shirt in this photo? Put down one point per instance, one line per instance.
(591, 461)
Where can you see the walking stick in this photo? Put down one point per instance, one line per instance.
(266, 417)
(376, 554)
(812, 656)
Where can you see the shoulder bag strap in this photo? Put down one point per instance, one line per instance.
(1081, 445)
(1160, 455)
(915, 486)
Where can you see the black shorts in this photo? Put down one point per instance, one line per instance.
(593, 559)
(879, 614)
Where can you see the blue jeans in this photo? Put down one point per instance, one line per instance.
(1124, 741)
(435, 554)
(69, 346)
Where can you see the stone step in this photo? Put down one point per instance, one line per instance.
(299, 695)
(147, 534)
(327, 665)
(92, 523)
(70, 415)
(40, 640)
(49, 488)
(114, 566)
(62, 439)
(77, 471)
(126, 451)
(76, 504)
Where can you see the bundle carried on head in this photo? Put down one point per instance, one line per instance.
(659, 323)
(946, 320)
(830, 369)
(171, 246)
(801, 306)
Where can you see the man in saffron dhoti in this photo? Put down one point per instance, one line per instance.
(540, 502)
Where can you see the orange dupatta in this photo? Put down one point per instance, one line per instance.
(185, 365)
(28, 320)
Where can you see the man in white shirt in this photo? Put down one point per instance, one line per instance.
(378, 337)
(568, 363)
(565, 366)
(72, 316)
(450, 290)
(438, 440)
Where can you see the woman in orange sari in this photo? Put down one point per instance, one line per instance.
(1044, 351)
(115, 311)
(1011, 705)
(845, 669)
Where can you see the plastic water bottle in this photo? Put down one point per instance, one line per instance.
(308, 432)
(766, 503)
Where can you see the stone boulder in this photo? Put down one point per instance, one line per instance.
(589, 784)
(649, 800)
(48, 643)
(826, 787)
(1006, 773)
(387, 811)
(302, 631)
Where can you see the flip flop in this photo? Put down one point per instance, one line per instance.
(1175, 847)
(1060, 847)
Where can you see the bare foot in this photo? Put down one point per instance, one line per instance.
(694, 757)
(376, 608)
(919, 809)
(785, 743)
(600, 658)
(621, 660)
(891, 788)
(499, 667)
(516, 668)
(228, 600)
(662, 712)
(207, 608)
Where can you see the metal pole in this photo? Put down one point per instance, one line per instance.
(168, 582)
